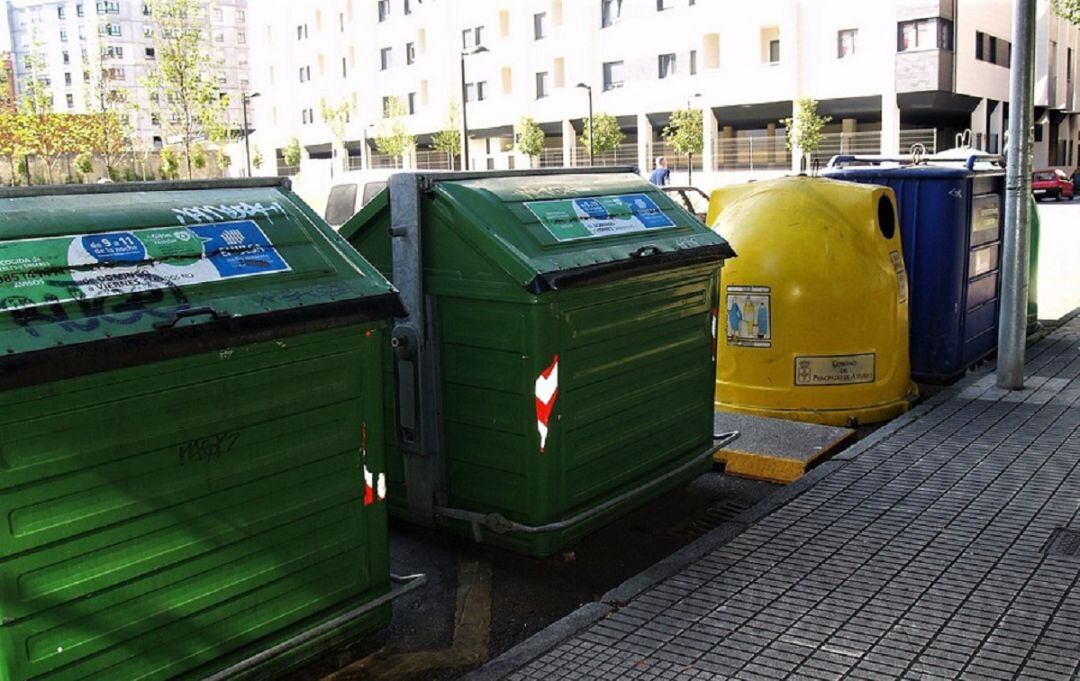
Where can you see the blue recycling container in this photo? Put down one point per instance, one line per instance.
(951, 231)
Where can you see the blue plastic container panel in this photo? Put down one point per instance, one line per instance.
(951, 243)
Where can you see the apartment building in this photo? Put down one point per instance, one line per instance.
(67, 34)
(890, 73)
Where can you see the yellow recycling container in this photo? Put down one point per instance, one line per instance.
(815, 306)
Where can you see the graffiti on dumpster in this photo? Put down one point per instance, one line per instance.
(749, 316)
(55, 270)
(223, 212)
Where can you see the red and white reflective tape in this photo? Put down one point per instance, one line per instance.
(373, 487)
(547, 391)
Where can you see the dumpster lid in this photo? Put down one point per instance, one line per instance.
(159, 269)
(550, 231)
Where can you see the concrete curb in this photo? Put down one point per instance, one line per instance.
(588, 614)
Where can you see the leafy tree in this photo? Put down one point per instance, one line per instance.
(84, 163)
(684, 132)
(105, 131)
(335, 118)
(256, 158)
(291, 153)
(1068, 10)
(10, 141)
(606, 131)
(448, 140)
(804, 128)
(182, 81)
(391, 137)
(40, 130)
(529, 137)
(170, 164)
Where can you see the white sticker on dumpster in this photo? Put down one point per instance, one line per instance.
(749, 316)
(901, 277)
(835, 369)
(568, 219)
(51, 270)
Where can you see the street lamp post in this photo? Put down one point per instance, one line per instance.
(589, 88)
(690, 155)
(464, 106)
(245, 98)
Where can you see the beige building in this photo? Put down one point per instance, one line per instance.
(65, 34)
(890, 73)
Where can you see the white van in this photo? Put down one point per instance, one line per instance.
(351, 191)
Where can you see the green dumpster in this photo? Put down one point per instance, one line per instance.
(191, 432)
(555, 366)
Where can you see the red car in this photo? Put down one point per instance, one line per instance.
(1051, 182)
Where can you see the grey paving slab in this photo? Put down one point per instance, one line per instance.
(918, 555)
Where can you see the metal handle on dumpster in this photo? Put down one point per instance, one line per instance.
(645, 250)
(500, 524)
(404, 584)
(187, 313)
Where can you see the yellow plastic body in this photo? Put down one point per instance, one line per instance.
(821, 329)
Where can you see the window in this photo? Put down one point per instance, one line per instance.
(693, 62)
(109, 29)
(924, 34)
(666, 64)
(1068, 64)
(63, 35)
(845, 42)
(241, 16)
(992, 49)
(408, 7)
(151, 53)
(386, 107)
(67, 79)
(540, 25)
(774, 51)
(610, 12)
(108, 7)
(146, 9)
(542, 85)
(411, 102)
(384, 10)
(301, 32)
(218, 16)
(79, 11)
(70, 100)
(472, 37)
(241, 38)
(60, 13)
(385, 58)
(410, 53)
(305, 74)
(661, 5)
(67, 57)
(476, 91)
(306, 117)
(613, 74)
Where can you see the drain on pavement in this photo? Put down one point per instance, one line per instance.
(709, 518)
(1063, 541)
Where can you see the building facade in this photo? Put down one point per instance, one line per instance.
(890, 73)
(53, 41)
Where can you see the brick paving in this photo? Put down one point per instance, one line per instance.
(920, 557)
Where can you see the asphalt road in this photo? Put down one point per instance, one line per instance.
(1059, 258)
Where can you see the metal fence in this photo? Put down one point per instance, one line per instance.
(924, 136)
(432, 160)
(752, 152)
(623, 155)
(551, 157)
(676, 162)
(834, 143)
(353, 163)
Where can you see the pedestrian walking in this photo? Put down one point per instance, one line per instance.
(660, 175)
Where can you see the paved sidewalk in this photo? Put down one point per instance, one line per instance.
(923, 554)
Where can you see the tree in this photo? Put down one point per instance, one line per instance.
(183, 81)
(256, 158)
(335, 118)
(10, 141)
(448, 140)
(40, 130)
(1068, 10)
(391, 136)
(606, 132)
(685, 134)
(529, 137)
(805, 127)
(105, 131)
(291, 153)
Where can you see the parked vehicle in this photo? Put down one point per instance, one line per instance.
(350, 192)
(1051, 182)
(695, 201)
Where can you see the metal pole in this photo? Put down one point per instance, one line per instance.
(464, 120)
(247, 137)
(1012, 324)
(591, 140)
